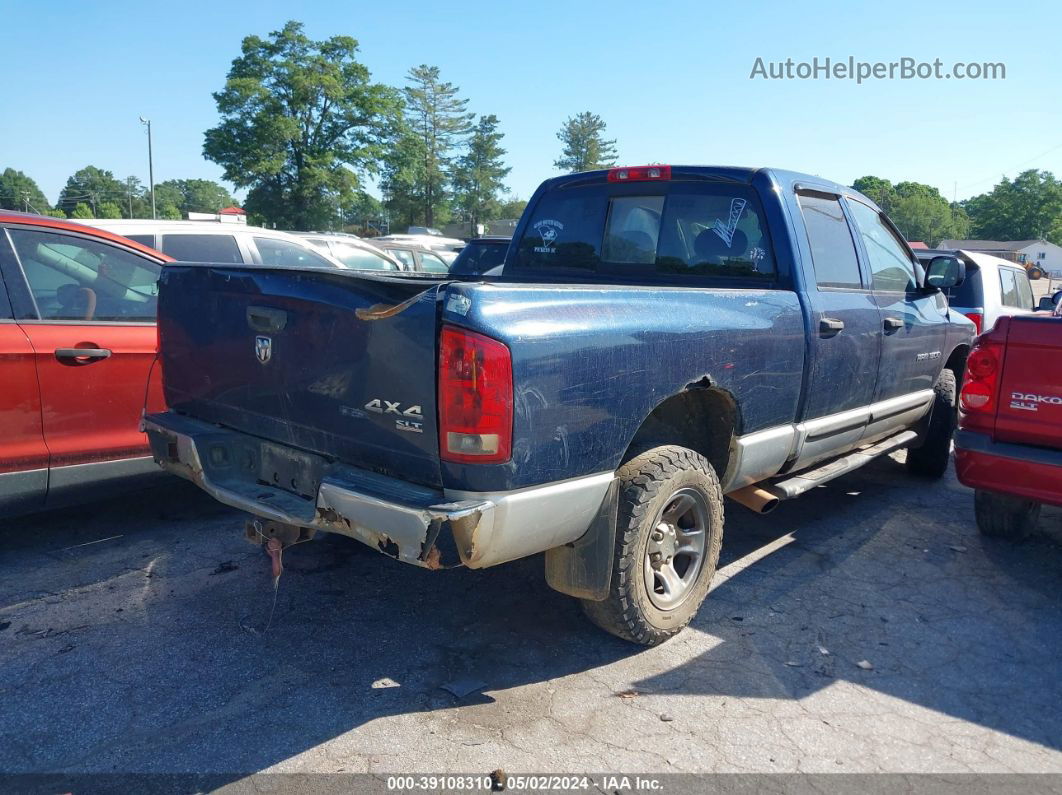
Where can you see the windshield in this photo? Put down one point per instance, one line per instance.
(675, 228)
(362, 258)
(477, 258)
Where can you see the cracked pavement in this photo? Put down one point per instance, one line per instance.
(132, 637)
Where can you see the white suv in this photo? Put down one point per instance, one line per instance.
(993, 287)
(210, 241)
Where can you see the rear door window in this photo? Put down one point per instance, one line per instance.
(144, 240)
(403, 256)
(202, 248)
(432, 263)
(833, 252)
(675, 229)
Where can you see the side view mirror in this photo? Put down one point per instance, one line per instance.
(944, 272)
(1047, 304)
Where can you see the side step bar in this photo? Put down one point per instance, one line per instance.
(764, 498)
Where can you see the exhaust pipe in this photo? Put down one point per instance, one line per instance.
(755, 498)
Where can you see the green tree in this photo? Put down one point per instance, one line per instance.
(440, 120)
(879, 190)
(511, 208)
(362, 216)
(82, 210)
(301, 123)
(479, 173)
(109, 210)
(192, 195)
(20, 192)
(402, 181)
(584, 147)
(136, 201)
(1025, 208)
(92, 186)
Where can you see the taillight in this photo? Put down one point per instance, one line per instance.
(978, 320)
(981, 380)
(475, 398)
(639, 173)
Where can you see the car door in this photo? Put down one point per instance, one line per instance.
(91, 324)
(845, 337)
(23, 454)
(914, 323)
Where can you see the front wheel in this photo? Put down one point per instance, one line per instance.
(931, 458)
(1003, 516)
(668, 534)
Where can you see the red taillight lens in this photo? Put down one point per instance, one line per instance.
(639, 173)
(978, 321)
(980, 384)
(982, 363)
(475, 398)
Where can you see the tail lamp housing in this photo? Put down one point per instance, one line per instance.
(980, 384)
(475, 398)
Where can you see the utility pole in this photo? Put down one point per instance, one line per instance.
(151, 166)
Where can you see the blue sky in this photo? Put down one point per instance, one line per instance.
(671, 79)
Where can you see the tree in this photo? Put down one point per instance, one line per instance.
(919, 211)
(301, 123)
(480, 171)
(439, 119)
(879, 190)
(192, 196)
(92, 186)
(584, 148)
(109, 210)
(511, 208)
(363, 215)
(20, 192)
(82, 210)
(402, 181)
(1027, 208)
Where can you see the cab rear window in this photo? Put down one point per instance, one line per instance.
(676, 229)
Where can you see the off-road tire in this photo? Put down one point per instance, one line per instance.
(1003, 516)
(646, 485)
(930, 459)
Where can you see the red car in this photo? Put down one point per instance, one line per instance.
(77, 341)
(1009, 446)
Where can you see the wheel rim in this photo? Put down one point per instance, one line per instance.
(674, 556)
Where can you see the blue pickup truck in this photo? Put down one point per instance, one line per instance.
(658, 337)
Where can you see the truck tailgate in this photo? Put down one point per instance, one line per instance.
(1030, 400)
(339, 364)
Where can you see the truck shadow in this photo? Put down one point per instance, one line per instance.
(153, 651)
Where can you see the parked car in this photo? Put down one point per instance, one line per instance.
(351, 251)
(480, 256)
(993, 287)
(77, 342)
(209, 241)
(1009, 446)
(659, 337)
(414, 257)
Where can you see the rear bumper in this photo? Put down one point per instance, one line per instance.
(415, 524)
(1034, 473)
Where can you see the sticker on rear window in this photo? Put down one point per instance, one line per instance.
(547, 229)
(726, 230)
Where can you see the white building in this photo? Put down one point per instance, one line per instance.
(1047, 256)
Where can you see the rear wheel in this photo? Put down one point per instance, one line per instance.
(668, 534)
(931, 458)
(1003, 516)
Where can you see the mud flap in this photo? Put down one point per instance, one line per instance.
(583, 568)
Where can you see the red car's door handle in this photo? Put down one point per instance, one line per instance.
(81, 355)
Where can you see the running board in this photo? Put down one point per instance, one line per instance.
(805, 481)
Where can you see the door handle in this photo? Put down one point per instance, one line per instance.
(893, 324)
(830, 325)
(81, 355)
(266, 319)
